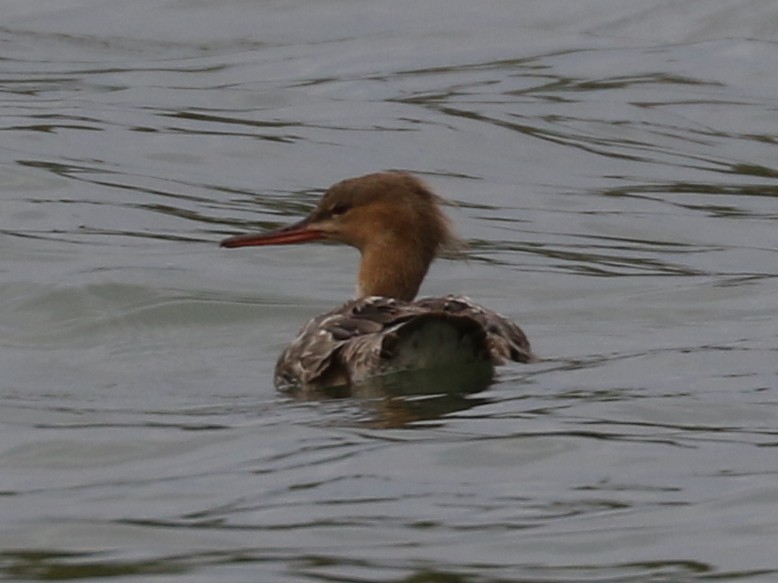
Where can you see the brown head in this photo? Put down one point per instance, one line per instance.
(394, 220)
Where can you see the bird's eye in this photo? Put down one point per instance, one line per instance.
(340, 208)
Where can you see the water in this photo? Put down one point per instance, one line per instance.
(613, 168)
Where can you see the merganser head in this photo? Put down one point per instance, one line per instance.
(394, 220)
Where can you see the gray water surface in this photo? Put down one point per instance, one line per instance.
(612, 165)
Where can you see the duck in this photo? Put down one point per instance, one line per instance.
(396, 222)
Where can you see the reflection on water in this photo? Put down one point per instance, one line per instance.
(612, 165)
(43, 566)
(401, 399)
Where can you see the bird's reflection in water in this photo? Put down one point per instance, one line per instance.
(401, 399)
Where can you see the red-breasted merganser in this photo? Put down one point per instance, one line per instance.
(397, 224)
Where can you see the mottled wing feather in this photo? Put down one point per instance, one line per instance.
(310, 355)
(338, 347)
(315, 356)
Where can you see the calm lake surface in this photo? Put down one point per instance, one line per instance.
(613, 165)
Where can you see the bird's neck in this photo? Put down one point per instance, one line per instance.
(393, 270)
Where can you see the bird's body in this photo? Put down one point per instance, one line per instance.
(397, 224)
